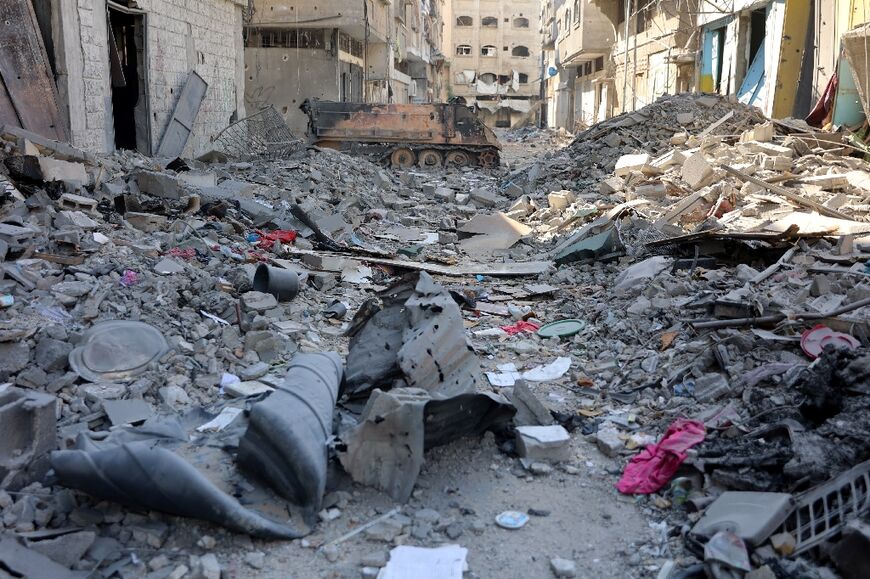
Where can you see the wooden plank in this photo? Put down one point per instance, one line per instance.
(25, 72)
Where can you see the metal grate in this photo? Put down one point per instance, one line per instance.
(825, 510)
(263, 135)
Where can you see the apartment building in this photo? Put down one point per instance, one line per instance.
(577, 74)
(655, 49)
(495, 58)
(378, 51)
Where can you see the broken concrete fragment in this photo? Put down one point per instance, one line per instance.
(28, 426)
(697, 172)
(608, 440)
(254, 301)
(548, 443)
(530, 410)
(66, 549)
(159, 184)
(629, 163)
(611, 185)
(57, 170)
(563, 567)
(147, 222)
(485, 198)
(71, 202)
(245, 389)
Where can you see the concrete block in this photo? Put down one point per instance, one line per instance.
(147, 222)
(656, 191)
(611, 185)
(327, 262)
(560, 200)
(198, 178)
(697, 172)
(755, 147)
(827, 182)
(484, 198)
(57, 170)
(444, 194)
(245, 389)
(608, 440)
(762, 133)
(628, 163)
(28, 431)
(777, 163)
(71, 202)
(159, 184)
(544, 443)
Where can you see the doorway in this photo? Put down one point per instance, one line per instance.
(127, 65)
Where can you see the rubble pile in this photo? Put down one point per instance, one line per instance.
(682, 314)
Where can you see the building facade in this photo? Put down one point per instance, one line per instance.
(113, 72)
(377, 51)
(577, 74)
(495, 58)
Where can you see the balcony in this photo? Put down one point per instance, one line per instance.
(586, 38)
(346, 16)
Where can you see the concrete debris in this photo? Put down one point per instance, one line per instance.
(695, 245)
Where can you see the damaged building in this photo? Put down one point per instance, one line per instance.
(144, 75)
(368, 51)
(495, 58)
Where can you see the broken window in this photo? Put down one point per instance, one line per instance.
(599, 63)
(488, 77)
(464, 21)
(520, 51)
(488, 50)
(292, 38)
(576, 10)
(524, 78)
(463, 50)
(489, 22)
(521, 22)
(644, 15)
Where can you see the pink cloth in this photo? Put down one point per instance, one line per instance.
(653, 467)
(520, 327)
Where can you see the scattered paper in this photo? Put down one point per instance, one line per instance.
(508, 374)
(447, 562)
(215, 318)
(555, 369)
(220, 421)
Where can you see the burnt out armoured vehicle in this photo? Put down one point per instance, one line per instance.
(403, 135)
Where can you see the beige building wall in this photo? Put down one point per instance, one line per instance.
(658, 57)
(495, 56)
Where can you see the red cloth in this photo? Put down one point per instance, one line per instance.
(520, 327)
(653, 467)
(267, 240)
(823, 107)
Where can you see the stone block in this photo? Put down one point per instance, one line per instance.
(697, 172)
(628, 163)
(608, 440)
(657, 191)
(560, 200)
(484, 197)
(327, 262)
(543, 443)
(444, 194)
(28, 431)
(611, 185)
(762, 133)
(57, 170)
(146, 222)
(159, 184)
